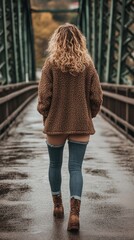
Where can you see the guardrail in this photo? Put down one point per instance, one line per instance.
(13, 98)
(118, 107)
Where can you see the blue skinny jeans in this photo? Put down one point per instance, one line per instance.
(76, 155)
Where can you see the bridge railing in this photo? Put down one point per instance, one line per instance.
(14, 98)
(118, 105)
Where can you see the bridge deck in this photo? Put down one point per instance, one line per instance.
(107, 210)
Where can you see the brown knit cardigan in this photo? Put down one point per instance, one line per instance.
(68, 102)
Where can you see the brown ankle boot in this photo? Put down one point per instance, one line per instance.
(58, 206)
(73, 223)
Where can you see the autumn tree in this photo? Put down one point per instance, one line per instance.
(44, 24)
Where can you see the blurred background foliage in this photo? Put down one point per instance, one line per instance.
(44, 24)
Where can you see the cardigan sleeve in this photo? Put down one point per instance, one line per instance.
(45, 91)
(96, 96)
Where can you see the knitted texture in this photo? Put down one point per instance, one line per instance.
(68, 102)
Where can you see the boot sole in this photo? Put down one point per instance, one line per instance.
(58, 215)
(74, 228)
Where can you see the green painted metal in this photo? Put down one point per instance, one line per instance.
(104, 39)
(55, 10)
(107, 25)
(95, 27)
(90, 28)
(87, 24)
(122, 22)
(31, 41)
(16, 42)
(100, 41)
(20, 33)
(4, 55)
(25, 48)
(16, 77)
(84, 27)
(126, 43)
(110, 38)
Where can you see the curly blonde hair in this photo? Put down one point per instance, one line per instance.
(67, 49)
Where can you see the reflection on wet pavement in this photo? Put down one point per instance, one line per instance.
(107, 211)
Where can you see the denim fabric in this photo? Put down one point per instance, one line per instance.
(55, 156)
(76, 155)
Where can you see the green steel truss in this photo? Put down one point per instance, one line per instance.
(109, 28)
(16, 42)
(107, 24)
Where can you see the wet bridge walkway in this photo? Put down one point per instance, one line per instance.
(107, 211)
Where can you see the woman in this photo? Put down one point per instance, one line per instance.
(69, 96)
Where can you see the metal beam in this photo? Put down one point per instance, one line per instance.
(122, 19)
(16, 77)
(15, 29)
(20, 43)
(34, 10)
(5, 54)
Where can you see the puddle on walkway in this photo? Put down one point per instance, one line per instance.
(107, 209)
